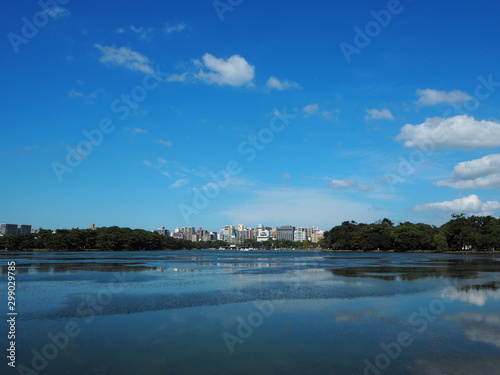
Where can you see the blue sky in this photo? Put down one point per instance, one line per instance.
(122, 113)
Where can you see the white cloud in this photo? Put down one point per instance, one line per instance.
(275, 83)
(165, 143)
(144, 33)
(95, 93)
(75, 94)
(459, 132)
(180, 183)
(139, 131)
(87, 97)
(234, 183)
(318, 207)
(311, 109)
(474, 297)
(57, 12)
(481, 173)
(234, 71)
(125, 58)
(433, 97)
(330, 115)
(177, 77)
(469, 205)
(349, 184)
(177, 28)
(376, 114)
(286, 176)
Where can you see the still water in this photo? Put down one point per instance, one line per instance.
(254, 312)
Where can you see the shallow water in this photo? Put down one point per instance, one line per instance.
(255, 312)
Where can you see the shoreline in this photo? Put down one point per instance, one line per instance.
(464, 252)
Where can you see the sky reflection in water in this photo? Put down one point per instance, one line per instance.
(195, 312)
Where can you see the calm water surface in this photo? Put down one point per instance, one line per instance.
(254, 312)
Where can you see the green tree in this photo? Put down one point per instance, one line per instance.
(440, 241)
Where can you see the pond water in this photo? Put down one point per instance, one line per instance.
(253, 312)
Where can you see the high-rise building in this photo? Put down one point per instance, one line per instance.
(264, 235)
(300, 234)
(14, 229)
(179, 235)
(242, 235)
(317, 236)
(229, 233)
(162, 232)
(188, 231)
(285, 232)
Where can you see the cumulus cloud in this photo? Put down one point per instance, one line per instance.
(481, 173)
(314, 207)
(434, 97)
(469, 205)
(460, 132)
(349, 184)
(376, 114)
(125, 58)
(234, 71)
(139, 131)
(275, 83)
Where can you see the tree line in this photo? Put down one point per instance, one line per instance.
(101, 239)
(459, 233)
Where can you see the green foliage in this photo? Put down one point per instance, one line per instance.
(408, 236)
(475, 232)
(102, 239)
(353, 236)
(440, 241)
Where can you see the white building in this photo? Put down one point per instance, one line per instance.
(263, 235)
(300, 234)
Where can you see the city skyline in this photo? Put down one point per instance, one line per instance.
(229, 233)
(189, 114)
